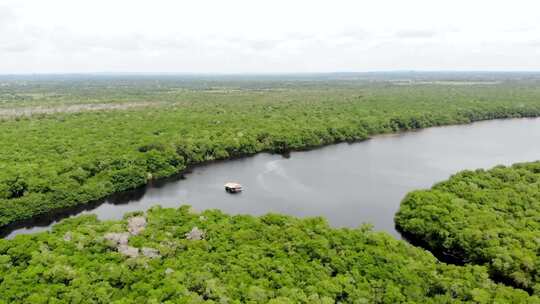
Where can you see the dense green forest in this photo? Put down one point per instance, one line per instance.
(488, 217)
(180, 256)
(69, 140)
(60, 159)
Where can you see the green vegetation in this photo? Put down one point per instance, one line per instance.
(486, 217)
(72, 140)
(53, 161)
(241, 259)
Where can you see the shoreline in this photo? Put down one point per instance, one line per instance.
(56, 215)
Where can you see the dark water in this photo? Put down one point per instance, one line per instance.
(349, 184)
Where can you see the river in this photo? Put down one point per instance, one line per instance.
(349, 184)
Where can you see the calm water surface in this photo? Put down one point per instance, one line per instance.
(349, 184)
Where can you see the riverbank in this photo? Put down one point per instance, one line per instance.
(213, 257)
(63, 160)
(485, 217)
(350, 184)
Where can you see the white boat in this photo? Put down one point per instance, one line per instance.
(233, 187)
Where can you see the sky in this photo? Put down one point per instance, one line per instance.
(251, 36)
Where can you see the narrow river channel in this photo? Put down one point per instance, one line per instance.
(349, 184)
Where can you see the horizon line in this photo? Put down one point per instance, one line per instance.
(265, 73)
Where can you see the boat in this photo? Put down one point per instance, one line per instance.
(233, 187)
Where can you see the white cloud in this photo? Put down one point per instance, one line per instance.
(535, 43)
(6, 16)
(416, 34)
(266, 36)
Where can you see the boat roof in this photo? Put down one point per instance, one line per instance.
(233, 185)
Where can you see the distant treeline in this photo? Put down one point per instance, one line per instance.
(55, 161)
(487, 217)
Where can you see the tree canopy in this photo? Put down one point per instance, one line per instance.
(233, 259)
(62, 159)
(487, 217)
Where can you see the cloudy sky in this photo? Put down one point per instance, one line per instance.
(237, 36)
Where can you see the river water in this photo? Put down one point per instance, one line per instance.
(349, 184)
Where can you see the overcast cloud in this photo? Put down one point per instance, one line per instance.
(238, 36)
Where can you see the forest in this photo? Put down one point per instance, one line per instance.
(231, 259)
(486, 217)
(57, 157)
(71, 140)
